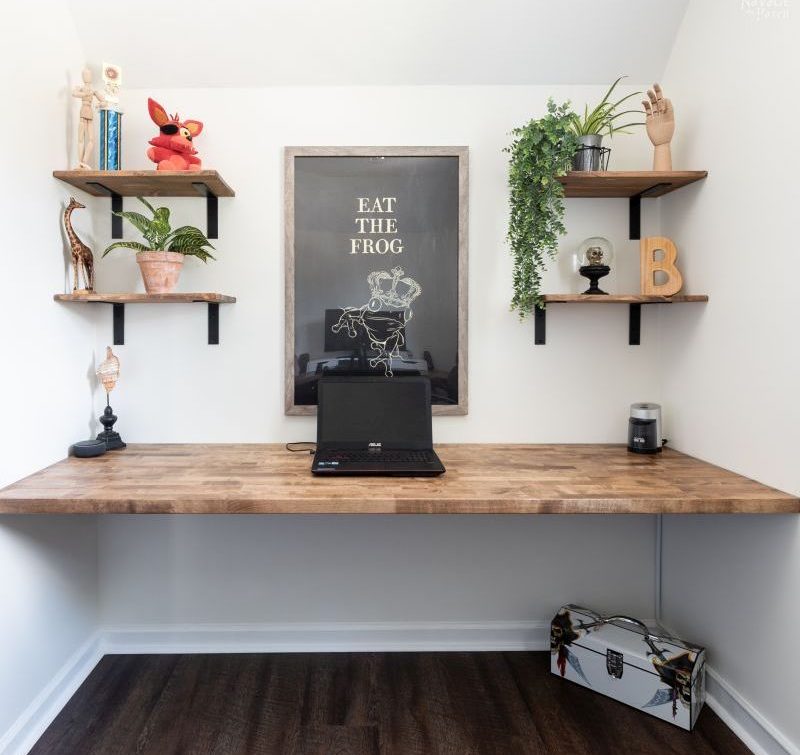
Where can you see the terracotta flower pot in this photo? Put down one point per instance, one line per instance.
(160, 271)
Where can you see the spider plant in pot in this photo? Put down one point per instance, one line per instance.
(161, 258)
(593, 126)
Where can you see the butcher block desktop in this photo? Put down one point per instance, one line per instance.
(480, 479)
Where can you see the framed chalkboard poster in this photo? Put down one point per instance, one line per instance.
(376, 268)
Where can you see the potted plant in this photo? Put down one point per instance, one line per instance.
(541, 151)
(593, 126)
(161, 258)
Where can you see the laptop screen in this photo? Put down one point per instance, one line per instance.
(357, 411)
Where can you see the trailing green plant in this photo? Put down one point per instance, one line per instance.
(602, 120)
(541, 151)
(160, 237)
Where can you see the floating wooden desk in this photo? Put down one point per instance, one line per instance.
(480, 479)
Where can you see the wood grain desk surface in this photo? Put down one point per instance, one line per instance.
(480, 479)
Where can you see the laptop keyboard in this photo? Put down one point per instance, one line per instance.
(381, 457)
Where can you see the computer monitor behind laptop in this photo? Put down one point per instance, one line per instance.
(375, 425)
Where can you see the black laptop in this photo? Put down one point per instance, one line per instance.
(375, 425)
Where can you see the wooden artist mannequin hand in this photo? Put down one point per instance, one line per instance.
(660, 124)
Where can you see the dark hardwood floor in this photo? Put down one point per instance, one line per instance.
(339, 703)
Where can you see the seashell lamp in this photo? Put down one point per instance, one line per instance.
(108, 374)
(108, 371)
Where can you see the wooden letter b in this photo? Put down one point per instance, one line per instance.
(650, 266)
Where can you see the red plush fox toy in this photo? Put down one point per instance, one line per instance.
(172, 149)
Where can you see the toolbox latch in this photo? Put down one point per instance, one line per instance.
(614, 663)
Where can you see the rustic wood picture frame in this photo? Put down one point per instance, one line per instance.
(290, 154)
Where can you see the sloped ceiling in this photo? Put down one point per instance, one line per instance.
(383, 42)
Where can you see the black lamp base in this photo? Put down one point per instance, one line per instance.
(594, 273)
(110, 436)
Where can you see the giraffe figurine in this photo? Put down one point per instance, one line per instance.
(82, 259)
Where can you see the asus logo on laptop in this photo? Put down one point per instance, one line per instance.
(375, 445)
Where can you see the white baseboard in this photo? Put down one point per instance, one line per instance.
(33, 721)
(327, 637)
(743, 719)
(759, 734)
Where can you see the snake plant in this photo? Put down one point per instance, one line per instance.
(160, 237)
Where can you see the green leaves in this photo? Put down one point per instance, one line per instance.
(159, 235)
(541, 150)
(601, 119)
(190, 241)
(135, 245)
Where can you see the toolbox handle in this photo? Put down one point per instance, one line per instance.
(649, 637)
(626, 619)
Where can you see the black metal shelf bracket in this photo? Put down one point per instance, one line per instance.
(119, 323)
(539, 326)
(635, 217)
(118, 315)
(212, 209)
(116, 206)
(635, 208)
(213, 323)
(634, 324)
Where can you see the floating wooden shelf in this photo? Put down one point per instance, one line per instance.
(632, 184)
(146, 183)
(119, 300)
(621, 299)
(150, 183)
(627, 183)
(174, 298)
(634, 302)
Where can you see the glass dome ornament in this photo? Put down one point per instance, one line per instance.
(108, 374)
(595, 256)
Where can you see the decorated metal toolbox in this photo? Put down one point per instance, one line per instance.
(617, 656)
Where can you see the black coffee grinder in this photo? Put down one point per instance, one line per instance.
(644, 429)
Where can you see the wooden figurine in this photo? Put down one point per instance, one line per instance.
(660, 124)
(649, 248)
(86, 95)
(172, 149)
(82, 258)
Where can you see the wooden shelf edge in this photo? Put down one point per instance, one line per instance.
(154, 183)
(627, 183)
(127, 298)
(622, 299)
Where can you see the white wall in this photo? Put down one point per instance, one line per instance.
(731, 376)
(48, 589)
(177, 388)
